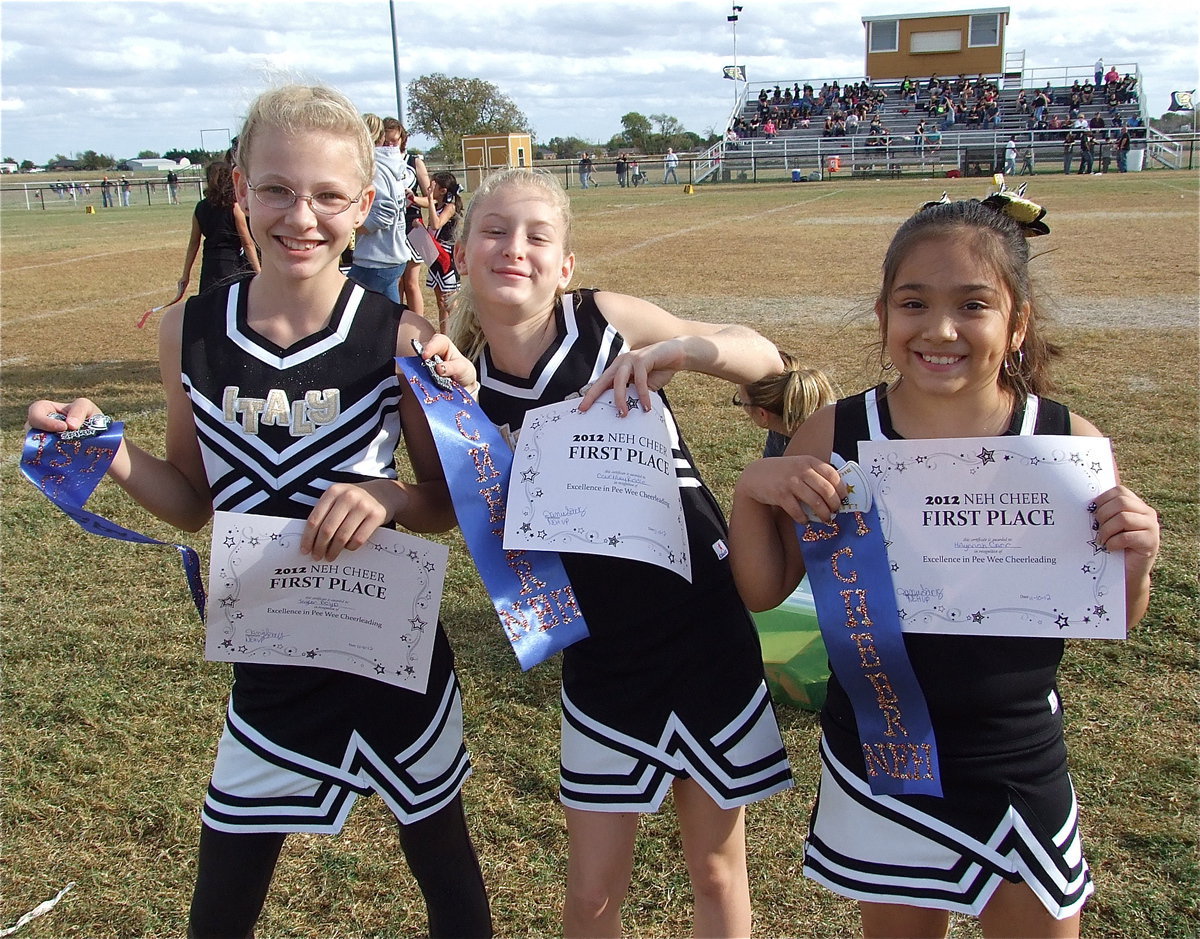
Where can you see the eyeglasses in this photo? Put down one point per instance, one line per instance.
(275, 196)
(738, 402)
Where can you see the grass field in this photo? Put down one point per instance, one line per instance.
(110, 715)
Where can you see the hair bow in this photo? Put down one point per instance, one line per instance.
(1024, 212)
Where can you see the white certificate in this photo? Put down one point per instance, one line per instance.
(597, 483)
(372, 612)
(993, 536)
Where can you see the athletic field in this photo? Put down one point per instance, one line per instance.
(111, 716)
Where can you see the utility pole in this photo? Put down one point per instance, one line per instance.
(396, 63)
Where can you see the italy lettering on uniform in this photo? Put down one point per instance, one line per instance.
(301, 417)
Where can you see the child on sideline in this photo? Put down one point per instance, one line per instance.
(671, 676)
(962, 329)
(301, 744)
(781, 403)
(445, 211)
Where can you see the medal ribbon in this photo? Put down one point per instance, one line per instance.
(68, 470)
(529, 589)
(852, 589)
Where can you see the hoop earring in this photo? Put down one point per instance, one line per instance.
(1014, 362)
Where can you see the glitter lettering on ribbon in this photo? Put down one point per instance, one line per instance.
(530, 591)
(67, 468)
(852, 589)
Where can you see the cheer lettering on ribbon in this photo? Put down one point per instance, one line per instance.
(852, 589)
(530, 591)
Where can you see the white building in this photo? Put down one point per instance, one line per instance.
(160, 165)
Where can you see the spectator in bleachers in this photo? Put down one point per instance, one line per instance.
(991, 115)
(1022, 102)
(769, 128)
(1099, 71)
(1041, 101)
(827, 130)
(852, 122)
(1088, 90)
(950, 118)
(919, 135)
(1112, 76)
(1098, 126)
(908, 89)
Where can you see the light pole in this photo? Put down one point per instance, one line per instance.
(396, 64)
(733, 18)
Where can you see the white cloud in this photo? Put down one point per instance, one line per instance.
(123, 77)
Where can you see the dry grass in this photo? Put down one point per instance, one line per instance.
(110, 716)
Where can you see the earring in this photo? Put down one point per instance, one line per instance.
(1014, 362)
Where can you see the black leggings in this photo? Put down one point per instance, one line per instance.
(235, 872)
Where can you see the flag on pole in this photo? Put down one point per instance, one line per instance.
(736, 72)
(1182, 101)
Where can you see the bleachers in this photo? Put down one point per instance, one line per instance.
(962, 147)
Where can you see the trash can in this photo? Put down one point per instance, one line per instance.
(833, 163)
(1134, 160)
(796, 176)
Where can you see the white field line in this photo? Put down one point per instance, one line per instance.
(721, 220)
(106, 301)
(138, 249)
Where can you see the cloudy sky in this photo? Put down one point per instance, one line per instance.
(119, 78)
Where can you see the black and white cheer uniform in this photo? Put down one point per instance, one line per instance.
(276, 428)
(670, 681)
(1008, 809)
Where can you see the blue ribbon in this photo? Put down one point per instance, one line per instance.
(67, 471)
(852, 588)
(529, 589)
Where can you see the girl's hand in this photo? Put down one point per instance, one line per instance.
(48, 415)
(792, 483)
(346, 515)
(1125, 522)
(454, 364)
(648, 369)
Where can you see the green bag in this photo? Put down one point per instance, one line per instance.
(794, 657)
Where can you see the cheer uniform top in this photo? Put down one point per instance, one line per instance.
(221, 256)
(276, 428)
(443, 274)
(669, 683)
(1008, 809)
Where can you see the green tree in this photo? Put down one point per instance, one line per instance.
(566, 147)
(193, 156)
(147, 155)
(637, 131)
(91, 160)
(26, 165)
(447, 108)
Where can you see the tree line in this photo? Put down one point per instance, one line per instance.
(447, 108)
